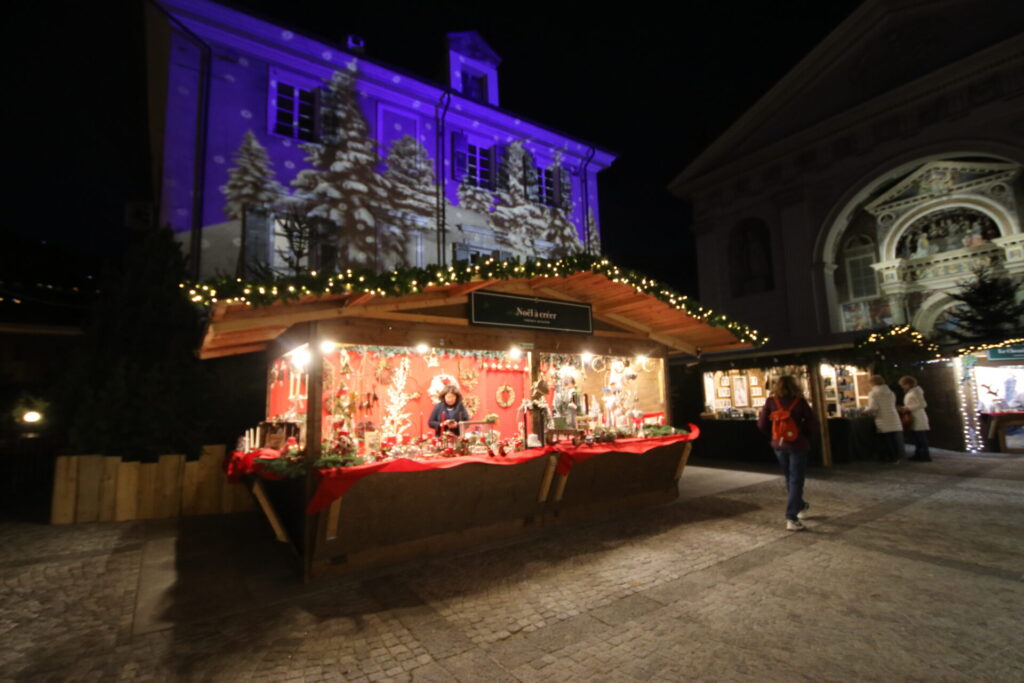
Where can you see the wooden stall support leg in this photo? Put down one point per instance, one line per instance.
(549, 474)
(560, 486)
(268, 510)
(684, 456)
(333, 519)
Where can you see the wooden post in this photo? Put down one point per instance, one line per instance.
(549, 473)
(333, 519)
(666, 389)
(818, 397)
(314, 403)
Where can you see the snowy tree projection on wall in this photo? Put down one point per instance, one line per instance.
(473, 198)
(410, 180)
(251, 183)
(593, 243)
(343, 185)
(519, 220)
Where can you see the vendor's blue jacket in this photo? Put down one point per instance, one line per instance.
(443, 412)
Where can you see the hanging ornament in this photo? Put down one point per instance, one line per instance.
(431, 360)
(383, 373)
(472, 402)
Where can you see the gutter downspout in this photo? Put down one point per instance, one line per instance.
(199, 166)
(440, 113)
(585, 187)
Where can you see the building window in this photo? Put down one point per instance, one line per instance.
(750, 258)
(474, 85)
(546, 186)
(475, 254)
(479, 165)
(863, 283)
(294, 111)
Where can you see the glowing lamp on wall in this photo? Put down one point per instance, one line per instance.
(32, 417)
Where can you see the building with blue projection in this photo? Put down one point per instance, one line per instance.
(276, 151)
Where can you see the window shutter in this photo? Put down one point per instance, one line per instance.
(458, 156)
(563, 189)
(498, 170)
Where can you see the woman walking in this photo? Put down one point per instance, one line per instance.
(914, 403)
(788, 420)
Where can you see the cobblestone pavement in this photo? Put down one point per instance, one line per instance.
(907, 572)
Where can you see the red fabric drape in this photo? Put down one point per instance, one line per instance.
(334, 483)
(239, 464)
(569, 455)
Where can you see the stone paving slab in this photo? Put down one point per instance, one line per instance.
(907, 572)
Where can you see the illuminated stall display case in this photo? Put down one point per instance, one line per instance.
(382, 360)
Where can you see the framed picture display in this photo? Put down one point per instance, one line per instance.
(739, 391)
(754, 381)
(723, 392)
(758, 402)
(723, 381)
(755, 391)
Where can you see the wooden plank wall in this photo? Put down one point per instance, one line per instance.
(97, 488)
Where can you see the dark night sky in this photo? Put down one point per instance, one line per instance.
(654, 86)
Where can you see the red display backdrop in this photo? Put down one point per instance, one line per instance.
(360, 386)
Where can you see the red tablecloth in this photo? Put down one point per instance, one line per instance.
(240, 464)
(569, 455)
(334, 483)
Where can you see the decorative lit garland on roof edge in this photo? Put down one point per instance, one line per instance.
(900, 331)
(415, 280)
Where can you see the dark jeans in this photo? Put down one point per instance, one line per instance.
(892, 446)
(921, 445)
(794, 469)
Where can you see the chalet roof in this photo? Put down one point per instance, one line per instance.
(236, 328)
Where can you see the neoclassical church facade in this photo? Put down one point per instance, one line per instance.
(872, 179)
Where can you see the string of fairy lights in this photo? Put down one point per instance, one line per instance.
(414, 280)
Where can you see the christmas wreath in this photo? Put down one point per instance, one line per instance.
(503, 390)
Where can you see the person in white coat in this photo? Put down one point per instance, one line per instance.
(914, 403)
(882, 406)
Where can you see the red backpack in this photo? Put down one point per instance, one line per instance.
(784, 427)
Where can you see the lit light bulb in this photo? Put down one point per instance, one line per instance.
(515, 352)
(32, 416)
(587, 356)
(300, 358)
(422, 348)
(328, 346)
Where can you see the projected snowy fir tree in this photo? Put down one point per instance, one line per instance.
(359, 206)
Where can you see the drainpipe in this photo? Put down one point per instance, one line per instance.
(585, 188)
(440, 112)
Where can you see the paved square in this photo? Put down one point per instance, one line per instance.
(906, 572)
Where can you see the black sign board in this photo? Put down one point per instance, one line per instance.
(508, 310)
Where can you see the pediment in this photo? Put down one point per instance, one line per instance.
(471, 44)
(939, 178)
(882, 46)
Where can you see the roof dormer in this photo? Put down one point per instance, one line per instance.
(473, 67)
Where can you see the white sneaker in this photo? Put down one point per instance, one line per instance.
(803, 514)
(794, 525)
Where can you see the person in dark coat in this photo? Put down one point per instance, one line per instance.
(448, 412)
(792, 455)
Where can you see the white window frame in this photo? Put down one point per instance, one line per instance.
(299, 83)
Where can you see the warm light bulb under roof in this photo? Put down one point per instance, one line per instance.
(328, 346)
(300, 357)
(586, 356)
(32, 416)
(515, 352)
(422, 348)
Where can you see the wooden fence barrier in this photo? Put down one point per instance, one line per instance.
(99, 488)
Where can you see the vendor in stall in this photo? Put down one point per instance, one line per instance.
(448, 412)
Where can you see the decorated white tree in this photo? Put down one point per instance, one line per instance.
(473, 198)
(251, 183)
(395, 420)
(343, 186)
(410, 181)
